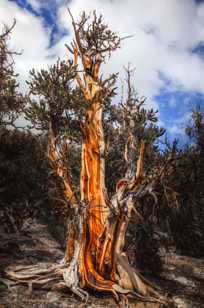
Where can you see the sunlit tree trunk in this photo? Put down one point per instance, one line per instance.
(95, 255)
(97, 235)
(94, 198)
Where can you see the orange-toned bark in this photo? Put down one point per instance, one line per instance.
(98, 262)
(140, 161)
(97, 255)
(95, 244)
(95, 248)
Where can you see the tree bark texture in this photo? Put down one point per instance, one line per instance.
(95, 256)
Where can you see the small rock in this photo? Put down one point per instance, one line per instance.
(184, 303)
(53, 297)
(185, 281)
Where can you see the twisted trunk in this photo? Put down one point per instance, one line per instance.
(98, 259)
(95, 259)
(95, 256)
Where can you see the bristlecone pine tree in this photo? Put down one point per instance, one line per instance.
(95, 257)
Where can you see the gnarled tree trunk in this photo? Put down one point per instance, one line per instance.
(98, 256)
(95, 256)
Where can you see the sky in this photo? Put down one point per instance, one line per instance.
(166, 48)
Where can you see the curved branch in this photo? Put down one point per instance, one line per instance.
(59, 167)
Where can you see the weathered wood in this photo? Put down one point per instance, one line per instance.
(95, 256)
(101, 262)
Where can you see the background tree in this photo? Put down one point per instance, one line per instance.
(22, 169)
(23, 179)
(11, 101)
(188, 180)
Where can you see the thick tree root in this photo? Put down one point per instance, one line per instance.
(59, 276)
(35, 275)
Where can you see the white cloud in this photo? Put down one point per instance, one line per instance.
(172, 102)
(177, 127)
(28, 36)
(164, 34)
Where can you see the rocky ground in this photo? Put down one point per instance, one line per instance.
(182, 277)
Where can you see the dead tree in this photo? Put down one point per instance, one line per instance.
(95, 256)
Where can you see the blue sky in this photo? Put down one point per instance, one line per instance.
(167, 48)
(48, 14)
